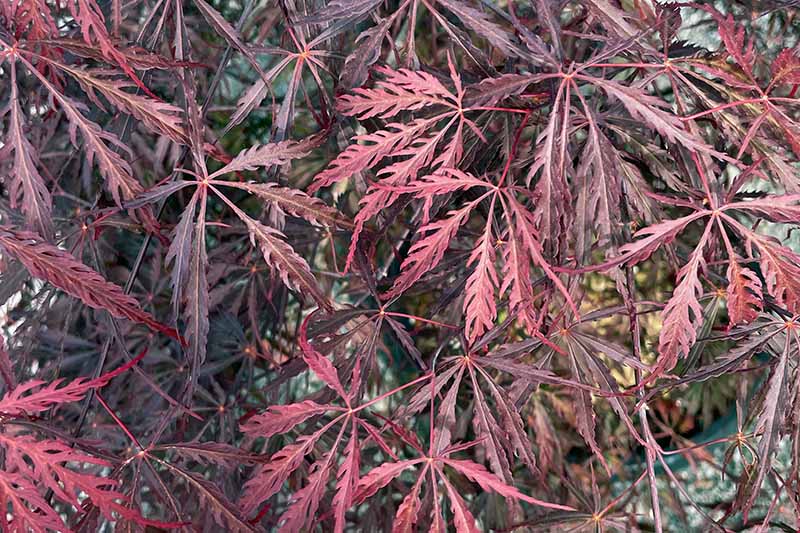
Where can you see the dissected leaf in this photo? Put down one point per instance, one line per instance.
(61, 269)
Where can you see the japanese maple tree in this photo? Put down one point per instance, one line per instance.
(446, 265)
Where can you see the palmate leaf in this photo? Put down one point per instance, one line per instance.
(683, 314)
(498, 425)
(498, 214)
(434, 464)
(188, 253)
(303, 505)
(33, 465)
(523, 246)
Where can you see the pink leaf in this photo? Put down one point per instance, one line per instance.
(744, 293)
(281, 418)
(427, 252)
(348, 476)
(379, 477)
(491, 483)
(402, 90)
(36, 396)
(318, 363)
(786, 68)
(683, 313)
(479, 302)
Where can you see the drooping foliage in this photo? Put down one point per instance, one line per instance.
(398, 266)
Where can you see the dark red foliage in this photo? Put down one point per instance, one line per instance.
(397, 266)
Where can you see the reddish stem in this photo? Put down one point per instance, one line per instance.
(514, 146)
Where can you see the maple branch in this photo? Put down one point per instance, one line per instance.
(636, 336)
(392, 392)
(138, 261)
(526, 112)
(512, 153)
